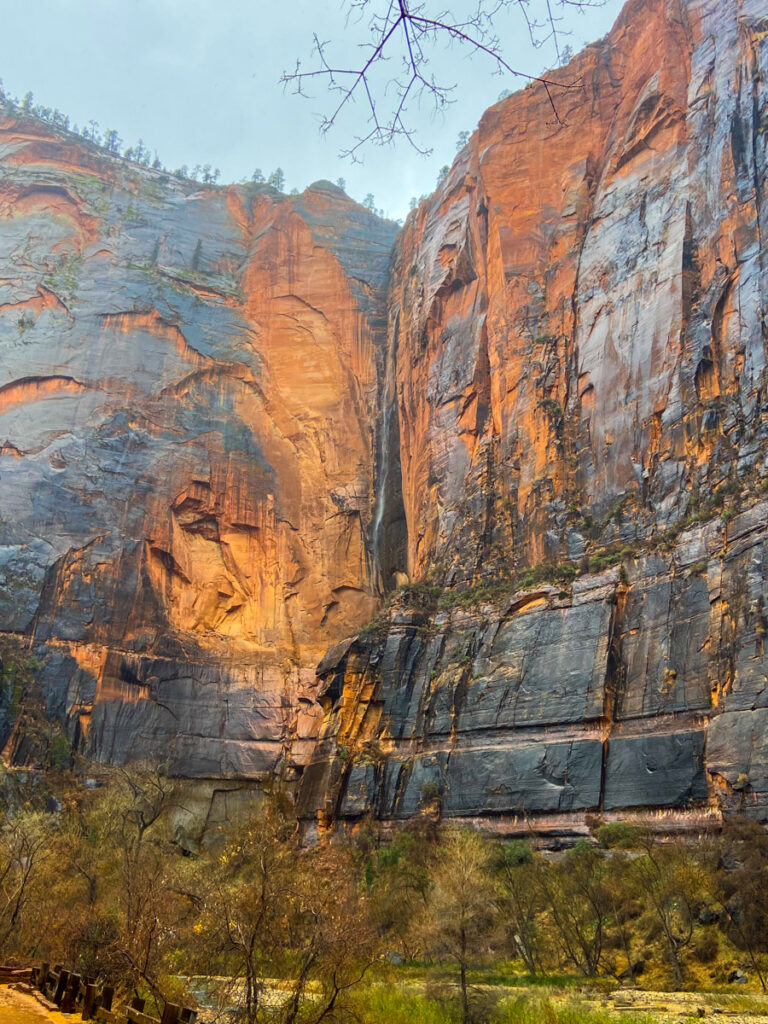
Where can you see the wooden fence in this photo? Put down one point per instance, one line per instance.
(72, 993)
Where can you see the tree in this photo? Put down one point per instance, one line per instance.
(672, 883)
(461, 140)
(112, 141)
(274, 912)
(91, 133)
(443, 173)
(576, 894)
(277, 179)
(341, 183)
(461, 912)
(369, 202)
(398, 39)
(397, 877)
(257, 176)
(741, 889)
(25, 843)
(140, 798)
(520, 901)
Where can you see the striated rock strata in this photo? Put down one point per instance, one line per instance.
(188, 395)
(229, 419)
(638, 688)
(577, 359)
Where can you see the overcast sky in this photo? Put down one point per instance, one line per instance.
(198, 81)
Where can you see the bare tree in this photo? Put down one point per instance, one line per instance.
(25, 841)
(461, 913)
(399, 40)
(292, 926)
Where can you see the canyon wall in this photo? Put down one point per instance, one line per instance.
(577, 355)
(188, 396)
(231, 420)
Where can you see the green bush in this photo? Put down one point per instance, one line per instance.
(59, 753)
(617, 835)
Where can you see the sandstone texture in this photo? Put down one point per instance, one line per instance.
(188, 394)
(231, 421)
(577, 365)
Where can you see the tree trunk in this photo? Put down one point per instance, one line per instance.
(463, 974)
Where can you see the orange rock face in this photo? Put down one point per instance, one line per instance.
(227, 422)
(580, 319)
(187, 412)
(576, 381)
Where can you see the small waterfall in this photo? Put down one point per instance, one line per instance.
(390, 536)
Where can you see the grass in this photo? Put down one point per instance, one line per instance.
(376, 1003)
(529, 1009)
(743, 1002)
(403, 1004)
(508, 979)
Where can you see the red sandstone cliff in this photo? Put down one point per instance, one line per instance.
(219, 436)
(578, 312)
(188, 398)
(578, 408)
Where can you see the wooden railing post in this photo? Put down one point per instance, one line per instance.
(69, 999)
(89, 1000)
(107, 995)
(61, 985)
(170, 1014)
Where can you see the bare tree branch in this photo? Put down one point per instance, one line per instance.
(395, 71)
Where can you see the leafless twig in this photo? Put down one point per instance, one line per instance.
(395, 71)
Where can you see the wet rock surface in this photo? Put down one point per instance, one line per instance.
(188, 388)
(230, 419)
(554, 705)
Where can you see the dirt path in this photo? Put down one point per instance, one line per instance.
(21, 1008)
(685, 1007)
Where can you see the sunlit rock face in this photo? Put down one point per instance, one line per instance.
(578, 313)
(188, 394)
(230, 419)
(577, 355)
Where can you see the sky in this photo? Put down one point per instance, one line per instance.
(199, 82)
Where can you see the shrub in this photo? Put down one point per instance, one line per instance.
(706, 947)
(59, 753)
(617, 835)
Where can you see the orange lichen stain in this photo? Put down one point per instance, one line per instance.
(35, 389)
(528, 604)
(57, 202)
(237, 211)
(154, 324)
(42, 300)
(111, 688)
(90, 659)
